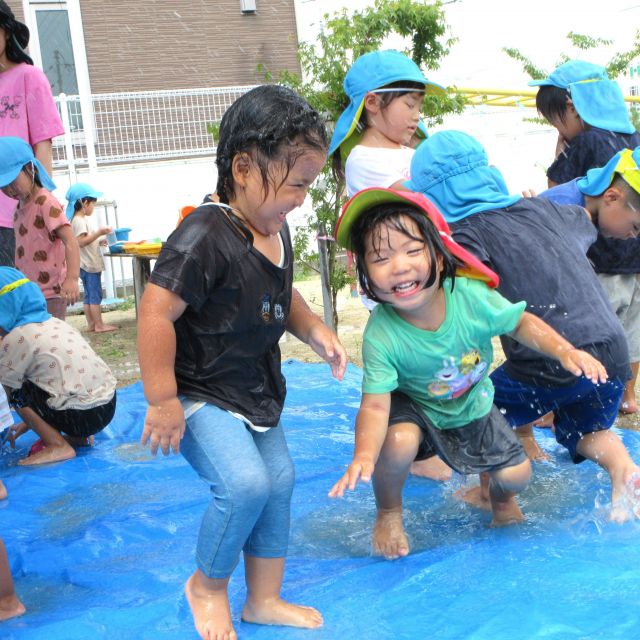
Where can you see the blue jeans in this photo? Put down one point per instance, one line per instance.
(251, 477)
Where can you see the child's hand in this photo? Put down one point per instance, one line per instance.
(70, 290)
(581, 363)
(164, 426)
(360, 468)
(327, 345)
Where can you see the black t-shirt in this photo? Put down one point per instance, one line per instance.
(591, 148)
(539, 250)
(238, 305)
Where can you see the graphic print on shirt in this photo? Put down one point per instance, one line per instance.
(457, 377)
(10, 108)
(265, 307)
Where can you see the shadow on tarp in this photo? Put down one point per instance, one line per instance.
(100, 546)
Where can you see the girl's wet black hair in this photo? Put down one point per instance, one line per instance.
(17, 35)
(551, 102)
(386, 99)
(270, 123)
(77, 205)
(390, 215)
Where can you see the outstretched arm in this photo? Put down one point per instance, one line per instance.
(306, 326)
(164, 422)
(537, 334)
(372, 423)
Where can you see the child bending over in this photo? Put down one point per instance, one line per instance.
(219, 299)
(426, 353)
(53, 379)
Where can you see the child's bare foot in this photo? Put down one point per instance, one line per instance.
(389, 539)
(11, 607)
(279, 612)
(625, 502)
(532, 448)
(628, 406)
(474, 497)
(49, 454)
(433, 468)
(506, 513)
(105, 328)
(210, 610)
(3, 491)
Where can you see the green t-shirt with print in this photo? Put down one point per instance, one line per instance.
(444, 371)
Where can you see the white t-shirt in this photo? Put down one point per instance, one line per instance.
(376, 167)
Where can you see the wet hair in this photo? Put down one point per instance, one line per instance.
(551, 102)
(31, 170)
(631, 195)
(271, 124)
(77, 205)
(386, 98)
(371, 222)
(17, 35)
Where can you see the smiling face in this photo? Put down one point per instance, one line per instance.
(265, 211)
(398, 268)
(570, 125)
(396, 122)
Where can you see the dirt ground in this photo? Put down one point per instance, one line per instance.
(118, 349)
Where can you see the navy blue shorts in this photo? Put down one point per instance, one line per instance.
(92, 285)
(580, 408)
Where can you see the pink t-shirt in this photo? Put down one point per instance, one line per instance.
(40, 253)
(27, 111)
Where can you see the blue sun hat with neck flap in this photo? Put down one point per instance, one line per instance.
(372, 72)
(597, 99)
(625, 163)
(452, 169)
(77, 192)
(15, 153)
(21, 300)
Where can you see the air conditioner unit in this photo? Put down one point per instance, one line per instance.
(248, 6)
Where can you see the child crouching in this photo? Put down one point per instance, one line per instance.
(53, 379)
(426, 353)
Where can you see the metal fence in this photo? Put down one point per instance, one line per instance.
(140, 126)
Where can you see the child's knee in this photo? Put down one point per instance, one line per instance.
(401, 444)
(514, 478)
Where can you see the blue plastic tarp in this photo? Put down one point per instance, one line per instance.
(100, 546)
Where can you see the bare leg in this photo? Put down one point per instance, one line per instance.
(504, 486)
(56, 448)
(99, 325)
(264, 604)
(10, 605)
(398, 452)
(477, 496)
(88, 314)
(434, 468)
(607, 450)
(209, 602)
(528, 441)
(629, 403)
(3, 491)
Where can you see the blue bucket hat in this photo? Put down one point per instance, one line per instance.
(15, 153)
(21, 300)
(77, 192)
(597, 99)
(369, 72)
(452, 169)
(625, 163)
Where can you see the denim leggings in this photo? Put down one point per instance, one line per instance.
(251, 478)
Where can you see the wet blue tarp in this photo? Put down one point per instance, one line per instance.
(100, 546)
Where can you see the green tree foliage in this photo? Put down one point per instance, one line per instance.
(343, 37)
